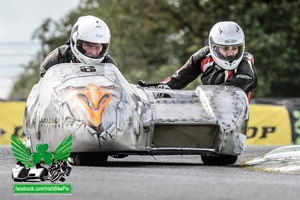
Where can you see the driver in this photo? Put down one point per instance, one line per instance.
(224, 61)
(88, 44)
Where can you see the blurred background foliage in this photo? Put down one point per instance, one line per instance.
(152, 39)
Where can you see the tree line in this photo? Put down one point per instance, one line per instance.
(152, 39)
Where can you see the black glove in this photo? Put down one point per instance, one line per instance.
(153, 85)
(156, 85)
(144, 84)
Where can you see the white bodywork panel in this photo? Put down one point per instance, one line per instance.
(105, 113)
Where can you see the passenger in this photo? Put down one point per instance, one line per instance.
(88, 44)
(224, 61)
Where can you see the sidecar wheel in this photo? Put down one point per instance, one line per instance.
(219, 160)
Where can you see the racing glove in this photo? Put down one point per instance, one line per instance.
(153, 85)
(156, 85)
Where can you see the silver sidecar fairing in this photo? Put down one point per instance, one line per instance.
(104, 113)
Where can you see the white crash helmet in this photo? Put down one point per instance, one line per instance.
(226, 34)
(89, 29)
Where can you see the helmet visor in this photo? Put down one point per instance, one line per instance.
(228, 53)
(92, 50)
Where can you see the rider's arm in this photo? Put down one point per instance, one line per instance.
(188, 72)
(61, 54)
(109, 59)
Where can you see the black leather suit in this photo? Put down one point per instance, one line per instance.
(63, 54)
(244, 76)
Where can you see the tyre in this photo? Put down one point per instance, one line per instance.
(219, 160)
(90, 159)
(76, 158)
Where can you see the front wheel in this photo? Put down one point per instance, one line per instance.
(90, 159)
(219, 160)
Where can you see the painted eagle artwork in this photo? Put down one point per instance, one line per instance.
(108, 116)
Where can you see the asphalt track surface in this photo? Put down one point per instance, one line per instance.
(165, 177)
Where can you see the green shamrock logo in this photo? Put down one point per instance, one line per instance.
(21, 153)
(42, 156)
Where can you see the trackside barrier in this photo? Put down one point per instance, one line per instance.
(11, 121)
(271, 122)
(275, 121)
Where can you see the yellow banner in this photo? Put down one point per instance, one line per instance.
(268, 125)
(11, 120)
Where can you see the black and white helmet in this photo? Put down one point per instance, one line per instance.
(89, 29)
(227, 34)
